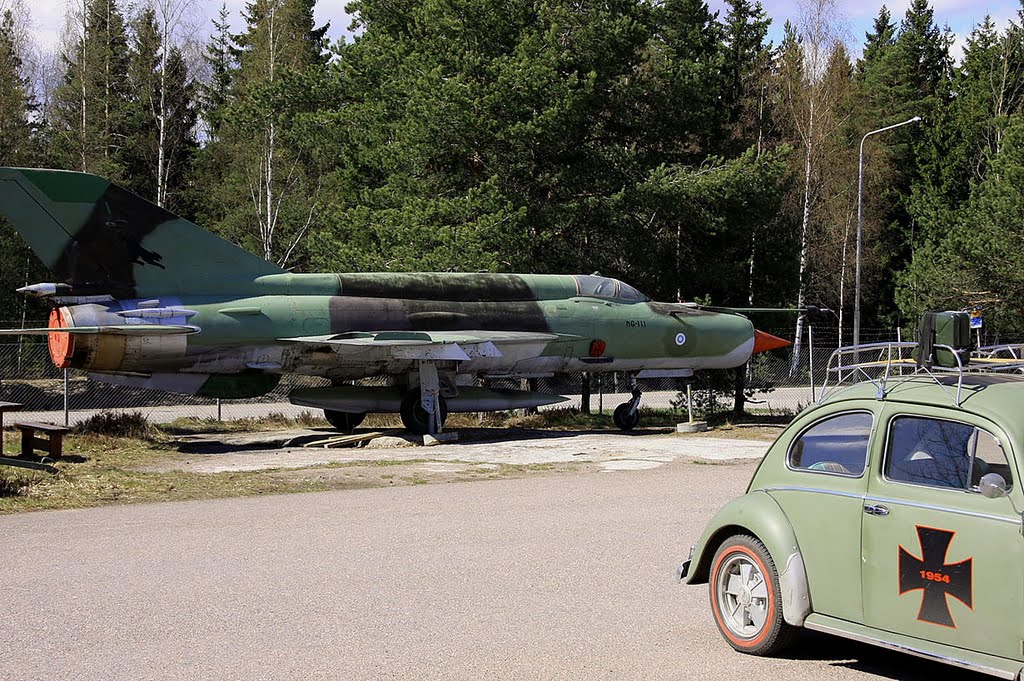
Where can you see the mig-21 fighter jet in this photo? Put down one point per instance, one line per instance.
(143, 297)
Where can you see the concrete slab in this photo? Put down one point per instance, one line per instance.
(612, 450)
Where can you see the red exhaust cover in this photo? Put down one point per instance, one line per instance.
(62, 345)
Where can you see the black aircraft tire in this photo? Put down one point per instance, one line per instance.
(343, 421)
(623, 419)
(415, 418)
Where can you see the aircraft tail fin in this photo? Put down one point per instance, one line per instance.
(99, 238)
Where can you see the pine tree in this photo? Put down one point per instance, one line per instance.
(91, 108)
(747, 67)
(538, 137)
(878, 41)
(18, 147)
(909, 77)
(989, 86)
(16, 103)
(163, 116)
(141, 154)
(256, 162)
(219, 57)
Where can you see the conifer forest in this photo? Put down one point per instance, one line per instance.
(672, 146)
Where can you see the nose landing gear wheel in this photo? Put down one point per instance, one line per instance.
(415, 418)
(343, 421)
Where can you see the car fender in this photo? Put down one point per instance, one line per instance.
(757, 514)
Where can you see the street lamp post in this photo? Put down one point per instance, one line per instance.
(860, 222)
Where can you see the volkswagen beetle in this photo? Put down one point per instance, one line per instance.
(888, 513)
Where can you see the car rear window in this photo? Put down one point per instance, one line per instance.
(836, 445)
(941, 453)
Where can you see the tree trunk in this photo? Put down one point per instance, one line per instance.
(805, 224)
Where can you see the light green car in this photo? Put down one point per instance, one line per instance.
(890, 516)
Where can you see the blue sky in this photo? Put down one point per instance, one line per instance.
(960, 15)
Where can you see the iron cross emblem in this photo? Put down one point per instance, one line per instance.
(935, 577)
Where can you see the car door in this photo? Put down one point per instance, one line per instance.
(940, 561)
(821, 492)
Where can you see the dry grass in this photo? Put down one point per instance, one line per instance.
(115, 458)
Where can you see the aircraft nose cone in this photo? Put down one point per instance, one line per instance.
(763, 342)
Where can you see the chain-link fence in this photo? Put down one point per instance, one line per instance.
(773, 383)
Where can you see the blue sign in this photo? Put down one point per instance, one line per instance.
(976, 319)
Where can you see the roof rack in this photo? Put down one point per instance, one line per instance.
(885, 360)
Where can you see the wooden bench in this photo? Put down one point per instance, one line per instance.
(6, 407)
(50, 439)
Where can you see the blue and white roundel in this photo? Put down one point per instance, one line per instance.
(680, 338)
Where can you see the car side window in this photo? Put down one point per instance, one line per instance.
(939, 453)
(838, 445)
(989, 457)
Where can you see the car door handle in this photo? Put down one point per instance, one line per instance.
(876, 509)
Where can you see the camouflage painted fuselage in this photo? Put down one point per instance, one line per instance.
(206, 317)
(239, 334)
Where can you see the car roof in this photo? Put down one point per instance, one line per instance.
(997, 397)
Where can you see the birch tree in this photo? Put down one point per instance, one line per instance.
(171, 16)
(91, 104)
(16, 101)
(809, 100)
(163, 135)
(268, 198)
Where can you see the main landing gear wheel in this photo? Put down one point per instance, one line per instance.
(343, 421)
(627, 414)
(746, 598)
(415, 418)
(623, 419)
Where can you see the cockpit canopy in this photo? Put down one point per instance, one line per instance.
(593, 286)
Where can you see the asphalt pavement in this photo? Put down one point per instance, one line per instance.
(565, 576)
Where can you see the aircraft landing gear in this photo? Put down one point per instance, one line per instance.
(627, 414)
(343, 421)
(416, 419)
(424, 409)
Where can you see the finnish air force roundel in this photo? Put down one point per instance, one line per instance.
(935, 577)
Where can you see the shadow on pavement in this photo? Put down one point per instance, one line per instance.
(234, 442)
(841, 652)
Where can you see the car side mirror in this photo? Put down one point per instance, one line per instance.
(992, 486)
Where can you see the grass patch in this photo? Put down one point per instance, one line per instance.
(117, 424)
(100, 469)
(190, 425)
(121, 458)
(571, 418)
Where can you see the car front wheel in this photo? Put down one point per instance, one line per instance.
(746, 599)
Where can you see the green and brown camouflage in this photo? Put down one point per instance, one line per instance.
(148, 298)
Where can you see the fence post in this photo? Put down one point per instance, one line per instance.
(899, 339)
(810, 358)
(67, 415)
(219, 411)
(689, 400)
